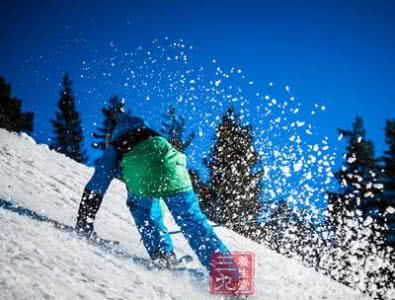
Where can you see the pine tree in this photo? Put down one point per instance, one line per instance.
(276, 225)
(291, 232)
(355, 214)
(104, 133)
(359, 197)
(388, 180)
(233, 181)
(358, 175)
(173, 128)
(67, 125)
(11, 117)
(200, 187)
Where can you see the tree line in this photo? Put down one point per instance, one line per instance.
(354, 243)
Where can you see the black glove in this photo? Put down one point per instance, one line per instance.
(89, 206)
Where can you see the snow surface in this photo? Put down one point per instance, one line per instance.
(38, 261)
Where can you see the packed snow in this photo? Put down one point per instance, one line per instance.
(40, 262)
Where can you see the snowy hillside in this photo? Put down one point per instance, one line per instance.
(38, 261)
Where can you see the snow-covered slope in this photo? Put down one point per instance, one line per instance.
(38, 261)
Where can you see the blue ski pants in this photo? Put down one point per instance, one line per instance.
(193, 223)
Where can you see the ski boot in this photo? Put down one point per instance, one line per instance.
(163, 261)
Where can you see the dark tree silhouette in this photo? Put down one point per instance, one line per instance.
(358, 176)
(103, 134)
(11, 117)
(355, 214)
(388, 181)
(67, 125)
(173, 128)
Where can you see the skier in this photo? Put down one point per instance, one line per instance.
(151, 169)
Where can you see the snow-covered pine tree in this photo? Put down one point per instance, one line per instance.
(358, 176)
(173, 128)
(388, 180)
(11, 117)
(67, 125)
(357, 257)
(291, 232)
(103, 134)
(233, 179)
(275, 226)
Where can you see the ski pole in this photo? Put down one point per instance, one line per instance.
(180, 231)
(217, 225)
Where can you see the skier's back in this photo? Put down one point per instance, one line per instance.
(151, 169)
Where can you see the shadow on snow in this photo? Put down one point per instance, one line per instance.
(108, 246)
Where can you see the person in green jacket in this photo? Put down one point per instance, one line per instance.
(152, 169)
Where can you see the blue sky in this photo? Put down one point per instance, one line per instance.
(336, 53)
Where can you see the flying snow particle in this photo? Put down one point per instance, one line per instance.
(298, 166)
(308, 188)
(350, 160)
(378, 186)
(390, 210)
(217, 82)
(286, 170)
(291, 199)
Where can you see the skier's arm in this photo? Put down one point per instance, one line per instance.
(95, 189)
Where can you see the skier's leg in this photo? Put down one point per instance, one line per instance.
(149, 221)
(193, 223)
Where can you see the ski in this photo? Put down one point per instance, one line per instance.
(110, 246)
(180, 262)
(92, 239)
